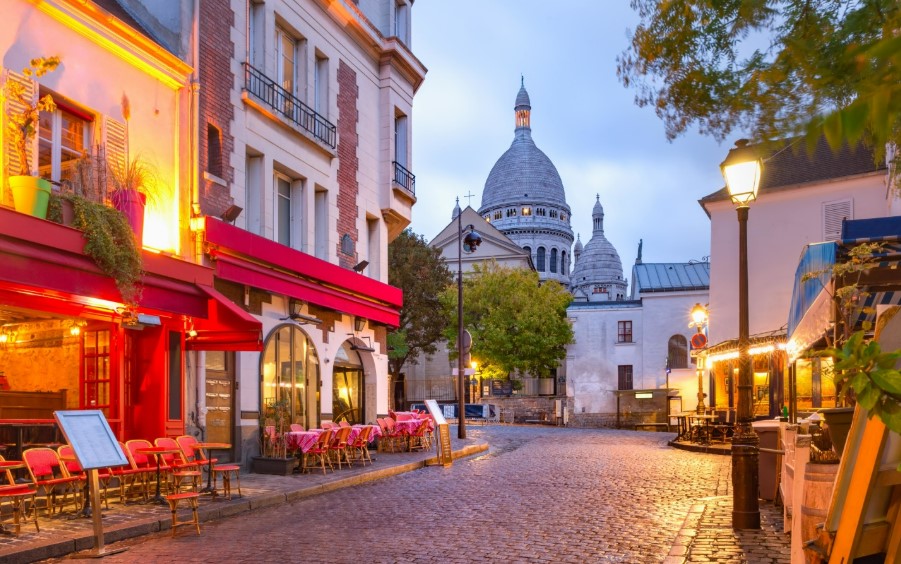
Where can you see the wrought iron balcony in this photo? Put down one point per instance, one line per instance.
(270, 93)
(404, 178)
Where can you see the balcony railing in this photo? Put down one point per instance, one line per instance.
(270, 93)
(404, 178)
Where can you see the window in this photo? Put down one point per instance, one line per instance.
(833, 214)
(624, 332)
(624, 376)
(511, 212)
(540, 264)
(564, 264)
(402, 23)
(541, 211)
(553, 213)
(528, 250)
(562, 216)
(283, 210)
(527, 211)
(286, 53)
(400, 139)
(498, 214)
(373, 238)
(677, 352)
(253, 178)
(63, 137)
(289, 370)
(255, 33)
(320, 203)
(320, 85)
(213, 150)
(554, 260)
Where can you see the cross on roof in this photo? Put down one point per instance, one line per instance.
(469, 196)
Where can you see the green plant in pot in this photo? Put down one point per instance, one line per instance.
(131, 187)
(31, 193)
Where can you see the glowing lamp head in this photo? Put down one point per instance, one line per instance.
(742, 179)
(698, 315)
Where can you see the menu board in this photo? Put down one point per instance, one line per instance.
(91, 438)
(445, 454)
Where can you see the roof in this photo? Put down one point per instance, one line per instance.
(671, 277)
(791, 164)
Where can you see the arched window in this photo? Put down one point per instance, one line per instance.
(540, 264)
(677, 355)
(528, 250)
(289, 370)
(553, 260)
(564, 265)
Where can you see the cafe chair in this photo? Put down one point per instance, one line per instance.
(132, 478)
(359, 448)
(343, 424)
(297, 428)
(49, 475)
(226, 471)
(145, 462)
(191, 454)
(178, 468)
(338, 445)
(174, 500)
(419, 438)
(104, 475)
(319, 451)
(20, 498)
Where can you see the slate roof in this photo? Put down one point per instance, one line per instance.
(671, 276)
(791, 164)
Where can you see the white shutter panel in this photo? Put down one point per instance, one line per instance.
(115, 143)
(833, 214)
(13, 162)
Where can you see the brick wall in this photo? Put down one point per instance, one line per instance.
(348, 163)
(216, 83)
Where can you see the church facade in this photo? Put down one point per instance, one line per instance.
(623, 342)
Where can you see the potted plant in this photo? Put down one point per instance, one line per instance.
(30, 192)
(131, 185)
(274, 423)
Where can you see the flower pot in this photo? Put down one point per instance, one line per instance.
(131, 203)
(30, 195)
(275, 466)
(838, 419)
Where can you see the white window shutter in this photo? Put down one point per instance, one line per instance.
(13, 162)
(115, 143)
(833, 214)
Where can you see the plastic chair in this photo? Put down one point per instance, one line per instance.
(319, 451)
(48, 474)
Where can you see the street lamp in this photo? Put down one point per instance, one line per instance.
(742, 177)
(699, 341)
(468, 244)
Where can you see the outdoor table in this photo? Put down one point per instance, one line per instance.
(706, 421)
(10, 465)
(158, 452)
(302, 440)
(209, 447)
(682, 423)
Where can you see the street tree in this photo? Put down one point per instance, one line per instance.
(517, 324)
(420, 271)
(773, 69)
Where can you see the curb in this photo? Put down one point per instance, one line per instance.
(66, 546)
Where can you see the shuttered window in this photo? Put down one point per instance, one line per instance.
(833, 214)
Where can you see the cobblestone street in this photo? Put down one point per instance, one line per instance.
(539, 494)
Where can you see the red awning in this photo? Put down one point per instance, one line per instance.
(226, 328)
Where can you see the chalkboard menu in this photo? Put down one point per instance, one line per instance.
(445, 454)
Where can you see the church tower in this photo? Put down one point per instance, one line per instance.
(525, 200)
(598, 273)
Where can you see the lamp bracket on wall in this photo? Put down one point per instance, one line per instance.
(356, 347)
(295, 315)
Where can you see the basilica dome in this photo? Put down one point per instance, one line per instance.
(598, 272)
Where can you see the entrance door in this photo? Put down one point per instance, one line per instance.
(220, 400)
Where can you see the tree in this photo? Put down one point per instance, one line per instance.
(420, 271)
(831, 67)
(517, 324)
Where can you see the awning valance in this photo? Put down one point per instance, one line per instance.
(245, 258)
(227, 327)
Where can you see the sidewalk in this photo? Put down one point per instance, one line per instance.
(64, 535)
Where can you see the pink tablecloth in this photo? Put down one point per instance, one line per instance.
(408, 427)
(302, 440)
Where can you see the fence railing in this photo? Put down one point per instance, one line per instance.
(404, 178)
(273, 95)
(440, 389)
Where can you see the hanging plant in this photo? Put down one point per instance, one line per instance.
(110, 241)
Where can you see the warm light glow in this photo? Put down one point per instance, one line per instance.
(198, 223)
(742, 180)
(75, 330)
(699, 315)
(4, 337)
(161, 219)
(475, 365)
(731, 355)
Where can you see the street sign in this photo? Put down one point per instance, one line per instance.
(466, 371)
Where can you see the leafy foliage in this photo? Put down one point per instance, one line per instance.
(22, 125)
(110, 241)
(873, 376)
(517, 325)
(776, 68)
(420, 271)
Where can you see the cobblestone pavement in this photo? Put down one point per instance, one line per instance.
(540, 494)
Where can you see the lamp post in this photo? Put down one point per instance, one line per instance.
(699, 341)
(468, 244)
(742, 179)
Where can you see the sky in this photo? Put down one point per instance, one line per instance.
(582, 118)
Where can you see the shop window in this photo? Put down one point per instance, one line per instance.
(347, 387)
(624, 376)
(624, 332)
(290, 374)
(677, 352)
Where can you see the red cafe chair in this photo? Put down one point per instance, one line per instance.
(104, 475)
(319, 451)
(49, 475)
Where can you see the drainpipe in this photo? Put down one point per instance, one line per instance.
(195, 129)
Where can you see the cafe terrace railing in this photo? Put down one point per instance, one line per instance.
(270, 93)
